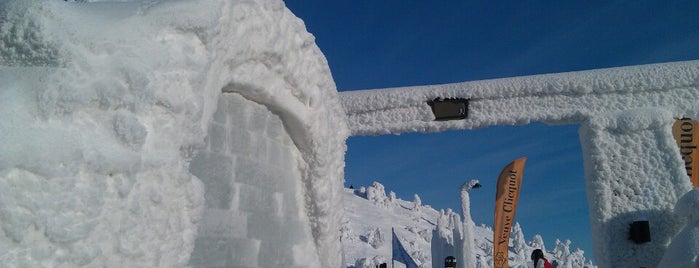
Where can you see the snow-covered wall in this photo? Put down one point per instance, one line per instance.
(633, 168)
(166, 134)
(173, 133)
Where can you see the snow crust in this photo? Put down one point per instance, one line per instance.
(105, 104)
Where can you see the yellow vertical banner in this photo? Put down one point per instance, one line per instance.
(506, 197)
(686, 133)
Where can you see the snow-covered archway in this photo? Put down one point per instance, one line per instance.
(633, 168)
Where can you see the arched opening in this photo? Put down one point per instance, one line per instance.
(254, 212)
(435, 165)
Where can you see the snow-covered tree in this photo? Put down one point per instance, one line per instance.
(575, 259)
(417, 202)
(374, 237)
(562, 250)
(518, 242)
(376, 193)
(346, 233)
(538, 242)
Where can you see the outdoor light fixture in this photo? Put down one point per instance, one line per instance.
(449, 109)
(639, 232)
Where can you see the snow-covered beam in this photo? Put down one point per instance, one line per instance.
(553, 98)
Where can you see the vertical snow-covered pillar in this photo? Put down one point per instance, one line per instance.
(468, 259)
(633, 172)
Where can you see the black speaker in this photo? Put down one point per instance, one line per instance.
(639, 232)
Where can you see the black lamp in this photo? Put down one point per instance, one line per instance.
(449, 109)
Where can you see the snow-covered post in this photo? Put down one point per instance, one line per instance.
(467, 248)
(623, 189)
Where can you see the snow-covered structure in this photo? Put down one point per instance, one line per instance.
(166, 134)
(633, 169)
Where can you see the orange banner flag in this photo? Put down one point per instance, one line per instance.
(506, 196)
(686, 133)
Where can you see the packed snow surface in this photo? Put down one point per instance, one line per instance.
(104, 105)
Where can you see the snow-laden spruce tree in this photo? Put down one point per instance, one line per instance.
(376, 193)
(518, 243)
(538, 242)
(417, 202)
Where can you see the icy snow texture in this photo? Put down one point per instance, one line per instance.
(106, 107)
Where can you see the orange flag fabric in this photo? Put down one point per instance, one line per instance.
(686, 133)
(506, 197)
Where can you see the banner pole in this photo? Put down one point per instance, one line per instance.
(506, 197)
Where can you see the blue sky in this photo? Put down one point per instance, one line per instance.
(390, 43)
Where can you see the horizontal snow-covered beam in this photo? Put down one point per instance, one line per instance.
(552, 98)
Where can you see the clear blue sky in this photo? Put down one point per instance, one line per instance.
(389, 43)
